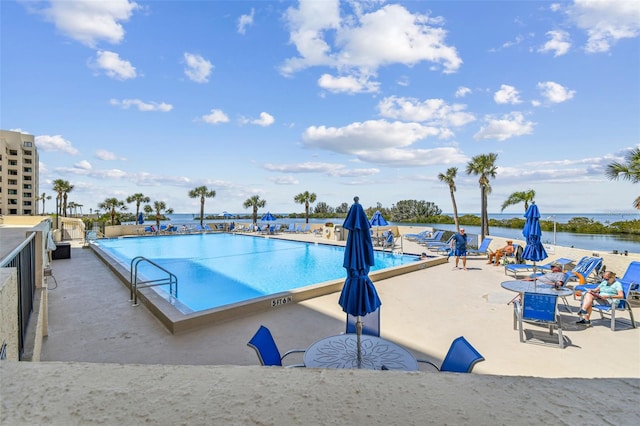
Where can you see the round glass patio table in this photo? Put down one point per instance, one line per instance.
(340, 351)
(522, 286)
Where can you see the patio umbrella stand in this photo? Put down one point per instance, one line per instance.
(534, 250)
(359, 296)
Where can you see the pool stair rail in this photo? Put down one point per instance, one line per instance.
(171, 280)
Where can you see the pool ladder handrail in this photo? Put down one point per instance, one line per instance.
(171, 280)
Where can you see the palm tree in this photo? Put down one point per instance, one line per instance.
(160, 209)
(112, 204)
(202, 192)
(628, 171)
(525, 197)
(254, 202)
(139, 199)
(483, 165)
(62, 188)
(43, 197)
(305, 198)
(449, 178)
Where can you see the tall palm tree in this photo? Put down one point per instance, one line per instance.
(160, 208)
(525, 197)
(139, 199)
(627, 171)
(202, 192)
(483, 165)
(111, 204)
(62, 188)
(254, 202)
(449, 178)
(305, 198)
(43, 197)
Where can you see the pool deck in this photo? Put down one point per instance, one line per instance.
(91, 320)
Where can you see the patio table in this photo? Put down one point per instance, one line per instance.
(340, 351)
(522, 286)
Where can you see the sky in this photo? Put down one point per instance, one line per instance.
(371, 99)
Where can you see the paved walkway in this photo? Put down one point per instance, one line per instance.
(91, 320)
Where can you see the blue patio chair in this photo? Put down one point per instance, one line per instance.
(307, 228)
(370, 323)
(461, 357)
(482, 249)
(435, 237)
(539, 309)
(619, 305)
(267, 350)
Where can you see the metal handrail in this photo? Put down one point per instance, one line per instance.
(171, 280)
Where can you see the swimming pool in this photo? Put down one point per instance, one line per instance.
(215, 270)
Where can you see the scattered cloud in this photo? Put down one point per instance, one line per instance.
(559, 43)
(506, 127)
(245, 21)
(114, 67)
(507, 95)
(435, 112)
(329, 169)
(462, 92)
(198, 69)
(83, 165)
(104, 155)
(348, 84)
(265, 120)
(55, 143)
(554, 92)
(215, 116)
(89, 22)
(142, 106)
(606, 22)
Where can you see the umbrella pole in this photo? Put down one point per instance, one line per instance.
(535, 277)
(358, 334)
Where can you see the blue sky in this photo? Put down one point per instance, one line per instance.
(371, 98)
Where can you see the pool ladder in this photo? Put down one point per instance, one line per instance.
(170, 280)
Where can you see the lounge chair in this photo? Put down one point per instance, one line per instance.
(389, 241)
(291, 228)
(586, 270)
(480, 250)
(306, 229)
(461, 357)
(435, 237)
(419, 236)
(515, 268)
(267, 350)
(539, 309)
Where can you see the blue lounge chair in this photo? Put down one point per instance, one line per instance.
(267, 350)
(482, 249)
(586, 270)
(291, 228)
(461, 357)
(435, 237)
(307, 228)
(419, 236)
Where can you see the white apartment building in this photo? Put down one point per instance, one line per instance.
(18, 174)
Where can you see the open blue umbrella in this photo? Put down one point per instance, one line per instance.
(378, 220)
(534, 250)
(268, 217)
(140, 218)
(359, 296)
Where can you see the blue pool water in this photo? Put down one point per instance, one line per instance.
(215, 270)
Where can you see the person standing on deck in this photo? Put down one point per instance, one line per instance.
(459, 248)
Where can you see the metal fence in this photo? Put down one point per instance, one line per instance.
(23, 259)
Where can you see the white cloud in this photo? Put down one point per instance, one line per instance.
(54, 143)
(265, 120)
(244, 21)
(104, 155)
(113, 66)
(510, 125)
(215, 116)
(84, 165)
(360, 44)
(329, 169)
(198, 68)
(606, 21)
(89, 21)
(506, 95)
(142, 106)
(554, 92)
(284, 180)
(462, 92)
(435, 112)
(347, 84)
(559, 43)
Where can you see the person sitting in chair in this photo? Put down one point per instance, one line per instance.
(610, 288)
(497, 255)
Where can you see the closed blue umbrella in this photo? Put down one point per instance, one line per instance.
(534, 250)
(140, 218)
(359, 296)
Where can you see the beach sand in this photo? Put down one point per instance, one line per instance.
(106, 362)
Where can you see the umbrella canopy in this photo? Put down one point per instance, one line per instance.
(534, 249)
(226, 215)
(378, 220)
(359, 296)
(268, 217)
(140, 218)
